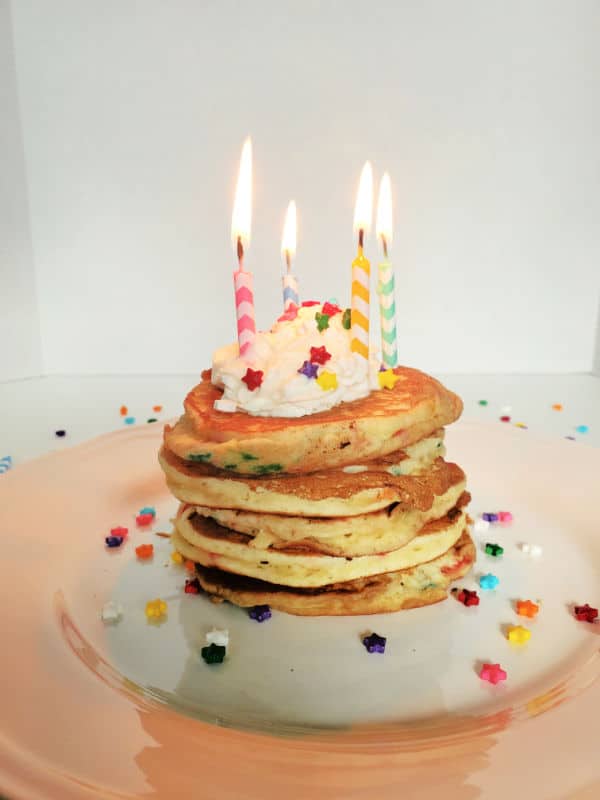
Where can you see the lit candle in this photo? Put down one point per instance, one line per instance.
(240, 233)
(385, 287)
(361, 269)
(288, 248)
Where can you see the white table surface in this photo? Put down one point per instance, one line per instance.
(32, 410)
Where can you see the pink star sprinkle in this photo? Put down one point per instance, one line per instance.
(492, 673)
(505, 516)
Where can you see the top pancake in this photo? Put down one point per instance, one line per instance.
(385, 421)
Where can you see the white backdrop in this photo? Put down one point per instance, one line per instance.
(486, 114)
(20, 353)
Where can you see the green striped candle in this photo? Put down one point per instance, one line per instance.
(385, 288)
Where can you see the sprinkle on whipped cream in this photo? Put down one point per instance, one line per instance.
(284, 350)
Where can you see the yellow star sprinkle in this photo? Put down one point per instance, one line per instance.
(176, 557)
(387, 379)
(518, 634)
(156, 608)
(327, 381)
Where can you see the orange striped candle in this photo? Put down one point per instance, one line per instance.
(361, 268)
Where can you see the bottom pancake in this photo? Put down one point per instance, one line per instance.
(410, 588)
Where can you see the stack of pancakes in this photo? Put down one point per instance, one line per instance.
(347, 511)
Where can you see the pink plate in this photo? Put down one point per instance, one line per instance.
(299, 709)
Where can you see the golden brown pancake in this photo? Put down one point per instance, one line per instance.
(418, 586)
(332, 493)
(364, 534)
(385, 421)
(203, 541)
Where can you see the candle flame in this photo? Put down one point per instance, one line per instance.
(288, 240)
(242, 206)
(363, 210)
(383, 226)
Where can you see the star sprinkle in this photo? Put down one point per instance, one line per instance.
(557, 407)
(505, 516)
(582, 428)
(374, 643)
(533, 550)
(331, 309)
(144, 551)
(61, 433)
(155, 609)
(327, 381)
(151, 419)
(309, 369)
(504, 418)
(129, 420)
(260, 613)
(483, 402)
(123, 411)
(253, 378)
(481, 525)
(517, 634)
(347, 319)
(113, 541)
(488, 581)
(176, 557)
(192, 586)
(157, 409)
(290, 315)
(213, 654)
(387, 379)
(218, 637)
(489, 517)
(143, 520)
(585, 613)
(322, 321)
(493, 673)
(148, 510)
(309, 303)
(468, 598)
(112, 612)
(119, 531)
(493, 549)
(319, 355)
(525, 608)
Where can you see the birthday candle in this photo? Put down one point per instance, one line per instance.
(385, 288)
(240, 232)
(288, 248)
(361, 268)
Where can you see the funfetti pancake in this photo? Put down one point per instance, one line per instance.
(203, 541)
(364, 534)
(385, 421)
(332, 493)
(393, 591)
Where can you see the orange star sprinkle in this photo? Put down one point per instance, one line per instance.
(123, 411)
(190, 566)
(158, 409)
(525, 608)
(144, 551)
(557, 407)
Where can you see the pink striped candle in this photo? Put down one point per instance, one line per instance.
(244, 309)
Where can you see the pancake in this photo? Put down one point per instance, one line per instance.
(385, 421)
(410, 588)
(364, 534)
(333, 493)
(203, 541)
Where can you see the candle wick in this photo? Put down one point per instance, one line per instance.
(240, 253)
(288, 261)
(384, 242)
(361, 238)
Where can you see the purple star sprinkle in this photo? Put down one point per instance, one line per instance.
(374, 643)
(260, 613)
(309, 369)
(490, 517)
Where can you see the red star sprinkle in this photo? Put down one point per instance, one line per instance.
(144, 519)
(492, 673)
(585, 613)
(319, 355)
(253, 378)
(309, 303)
(289, 315)
(468, 598)
(330, 309)
(119, 531)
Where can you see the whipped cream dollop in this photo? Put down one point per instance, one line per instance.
(280, 353)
